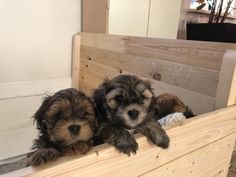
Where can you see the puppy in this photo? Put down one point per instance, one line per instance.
(66, 122)
(168, 104)
(124, 104)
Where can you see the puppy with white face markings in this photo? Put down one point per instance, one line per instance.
(125, 104)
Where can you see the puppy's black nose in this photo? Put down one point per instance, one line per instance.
(133, 114)
(74, 128)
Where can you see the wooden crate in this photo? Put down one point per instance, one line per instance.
(202, 74)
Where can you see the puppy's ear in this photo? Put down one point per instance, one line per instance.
(147, 83)
(99, 96)
(100, 93)
(96, 125)
(40, 113)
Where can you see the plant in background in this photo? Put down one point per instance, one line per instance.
(218, 10)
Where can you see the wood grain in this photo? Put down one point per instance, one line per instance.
(76, 61)
(226, 94)
(195, 53)
(95, 16)
(198, 163)
(200, 132)
(93, 74)
(189, 77)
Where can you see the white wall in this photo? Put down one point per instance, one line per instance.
(36, 38)
(164, 18)
(35, 59)
(128, 17)
(151, 18)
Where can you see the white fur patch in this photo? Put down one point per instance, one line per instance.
(172, 120)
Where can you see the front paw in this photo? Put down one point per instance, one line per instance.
(159, 139)
(126, 144)
(156, 134)
(79, 147)
(42, 156)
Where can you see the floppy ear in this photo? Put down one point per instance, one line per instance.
(147, 83)
(96, 125)
(40, 113)
(100, 94)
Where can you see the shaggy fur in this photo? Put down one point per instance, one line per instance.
(126, 103)
(66, 122)
(168, 104)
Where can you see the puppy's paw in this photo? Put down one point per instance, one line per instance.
(126, 144)
(159, 139)
(42, 156)
(80, 147)
(155, 133)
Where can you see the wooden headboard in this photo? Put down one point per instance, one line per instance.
(188, 69)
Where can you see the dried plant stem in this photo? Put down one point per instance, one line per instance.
(218, 14)
(213, 9)
(226, 11)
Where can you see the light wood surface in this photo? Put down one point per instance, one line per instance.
(186, 76)
(92, 74)
(195, 53)
(226, 89)
(199, 162)
(210, 135)
(76, 61)
(95, 16)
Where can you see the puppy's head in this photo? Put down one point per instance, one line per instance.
(66, 117)
(126, 100)
(168, 104)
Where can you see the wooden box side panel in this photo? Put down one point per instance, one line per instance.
(226, 88)
(210, 160)
(92, 75)
(205, 142)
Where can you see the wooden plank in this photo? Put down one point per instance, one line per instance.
(226, 94)
(219, 170)
(189, 77)
(76, 61)
(104, 160)
(195, 53)
(200, 161)
(94, 73)
(95, 16)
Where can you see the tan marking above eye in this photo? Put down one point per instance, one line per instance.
(147, 102)
(140, 87)
(112, 103)
(147, 93)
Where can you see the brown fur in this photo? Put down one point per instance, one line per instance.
(126, 103)
(66, 122)
(167, 104)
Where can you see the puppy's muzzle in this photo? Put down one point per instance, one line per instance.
(74, 128)
(133, 114)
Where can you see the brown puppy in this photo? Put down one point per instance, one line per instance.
(167, 104)
(66, 122)
(125, 104)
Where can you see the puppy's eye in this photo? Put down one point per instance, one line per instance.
(59, 114)
(120, 99)
(112, 103)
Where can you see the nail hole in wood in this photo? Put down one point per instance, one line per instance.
(156, 76)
